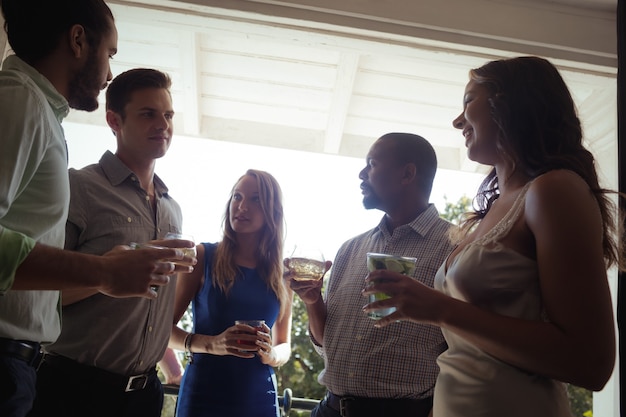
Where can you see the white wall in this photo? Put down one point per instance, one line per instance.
(561, 29)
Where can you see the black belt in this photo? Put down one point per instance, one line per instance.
(99, 376)
(350, 406)
(29, 352)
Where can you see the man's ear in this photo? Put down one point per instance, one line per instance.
(114, 121)
(78, 41)
(409, 173)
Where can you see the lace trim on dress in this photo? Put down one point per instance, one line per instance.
(503, 227)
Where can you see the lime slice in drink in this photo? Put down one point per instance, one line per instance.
(394, 265)
(378, 296)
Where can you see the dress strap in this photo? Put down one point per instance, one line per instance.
(209, 252)
(503, 227)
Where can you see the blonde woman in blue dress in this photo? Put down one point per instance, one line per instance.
(240, 278)
(523, 300)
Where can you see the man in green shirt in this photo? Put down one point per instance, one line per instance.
(62, 52)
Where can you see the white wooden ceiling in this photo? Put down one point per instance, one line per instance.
(277, 81)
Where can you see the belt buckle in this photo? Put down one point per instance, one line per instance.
(37, 360)
(136, 382)
(343, 406)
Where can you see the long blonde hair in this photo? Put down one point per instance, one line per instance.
(270, 249)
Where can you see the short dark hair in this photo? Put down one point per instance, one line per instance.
(119, 92)
(412, 148)
(35, 27)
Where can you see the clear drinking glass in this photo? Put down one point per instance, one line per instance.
(307, 263)
(187, 251)
(403, 264)
(135, 246)
(258, 327)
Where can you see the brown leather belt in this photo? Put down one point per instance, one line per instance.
(29, 352)
(349, 406)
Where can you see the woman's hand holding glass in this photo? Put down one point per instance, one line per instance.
(265, 346)
(239, 340)
(413, 300)
(247, 338)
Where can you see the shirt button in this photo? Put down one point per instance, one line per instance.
(150, 328)
(129, 220)
(147, 198)
(351, 374)
(140, 363)
(359, 337)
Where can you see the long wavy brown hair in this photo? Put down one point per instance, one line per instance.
(270, 249)
(540, 130)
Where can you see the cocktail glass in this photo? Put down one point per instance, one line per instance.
(403, 264)
(307, 264)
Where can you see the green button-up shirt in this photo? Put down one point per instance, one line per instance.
(34, 193)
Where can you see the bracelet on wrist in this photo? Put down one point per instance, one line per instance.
(187, 345)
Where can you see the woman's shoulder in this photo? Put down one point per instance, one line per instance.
(208, 250)
(558, 191)
(557, 181)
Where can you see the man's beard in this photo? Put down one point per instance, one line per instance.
(371, 201)
(84, 88)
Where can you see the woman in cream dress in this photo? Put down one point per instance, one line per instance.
(523, 300)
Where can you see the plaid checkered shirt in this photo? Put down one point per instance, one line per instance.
(397, 361)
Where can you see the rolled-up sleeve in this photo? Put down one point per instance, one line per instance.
(34, 189)
(18, 156)
(14, 248)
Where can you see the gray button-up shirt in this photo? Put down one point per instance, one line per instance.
(108, 207)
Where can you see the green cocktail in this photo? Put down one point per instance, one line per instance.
(402, 264)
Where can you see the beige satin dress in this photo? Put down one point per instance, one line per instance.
(472, 383)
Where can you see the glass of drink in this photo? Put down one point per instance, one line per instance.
(306, 264)
(403, 264)
(187, 251)
(258, 327)
(135, 245)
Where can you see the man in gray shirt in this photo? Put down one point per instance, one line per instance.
(103, 363)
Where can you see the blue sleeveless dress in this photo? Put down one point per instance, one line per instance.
(228, 386)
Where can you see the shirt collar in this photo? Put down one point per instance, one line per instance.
(57, 102)
(420, 225)
(117, 172)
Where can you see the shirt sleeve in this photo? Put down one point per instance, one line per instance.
(340, 255)
(22, 149)
(77, 213)
(15, 248)
(317, 345)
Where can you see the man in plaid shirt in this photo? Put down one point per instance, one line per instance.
(389, 371)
